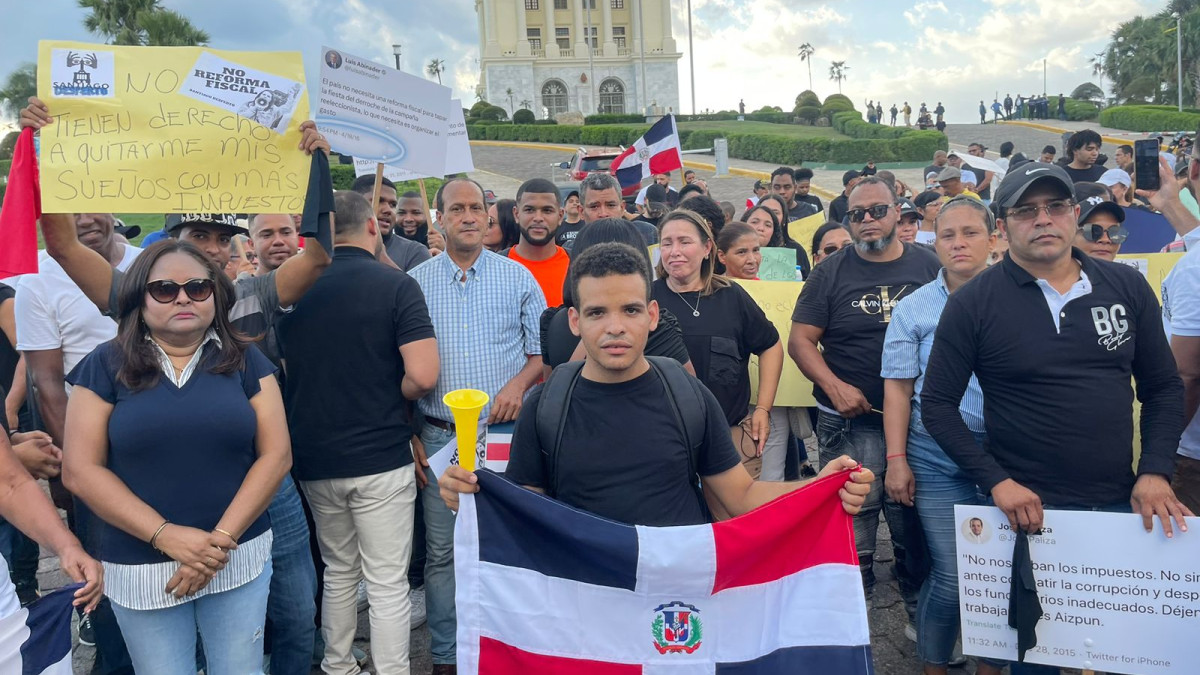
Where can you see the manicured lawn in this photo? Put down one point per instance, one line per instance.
(149, 222)
(790, 130)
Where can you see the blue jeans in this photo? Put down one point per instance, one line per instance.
(292, 604)
(163, 641)
(862, 439)
(940, 485)
(439, 557)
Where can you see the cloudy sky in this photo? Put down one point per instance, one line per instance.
(955, 51)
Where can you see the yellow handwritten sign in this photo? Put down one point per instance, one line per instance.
(171, 129)
(777, 299)
(1154, 266)
(802, 231)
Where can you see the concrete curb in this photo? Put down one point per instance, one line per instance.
(1059, 130)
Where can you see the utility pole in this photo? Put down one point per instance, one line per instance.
(397, 51)
(691, 56)
(1179, 57)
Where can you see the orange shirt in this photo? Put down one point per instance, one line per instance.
(550, 273)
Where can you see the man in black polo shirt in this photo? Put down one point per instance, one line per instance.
(783, 183)
(1053, 337)
(358, 348)
(844, 309)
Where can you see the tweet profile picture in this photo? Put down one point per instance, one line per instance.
(976, 531)
(333, 59)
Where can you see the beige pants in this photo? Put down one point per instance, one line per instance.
(365, 529)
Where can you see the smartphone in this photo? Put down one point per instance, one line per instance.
(1145, 163)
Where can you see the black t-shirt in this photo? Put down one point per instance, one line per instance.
(812, 199)
(838, 208)
(341, 345)
(853, 299)
(730, 328)
(558, 342)
(801, 209)
(623, 455)
(1088, 175)
(980, 175)
(8, 351)
(566, 233)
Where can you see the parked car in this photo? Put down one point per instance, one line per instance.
(586, 161)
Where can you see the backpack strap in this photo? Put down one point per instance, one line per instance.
(689, 408)
(551, 417)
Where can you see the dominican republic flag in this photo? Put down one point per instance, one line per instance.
(657, 151)
(544, 588)
(22, 207)
(499, 438)
(36, 640)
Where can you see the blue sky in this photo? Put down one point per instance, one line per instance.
(954, 51)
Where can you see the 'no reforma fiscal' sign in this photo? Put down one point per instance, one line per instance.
(171, 129)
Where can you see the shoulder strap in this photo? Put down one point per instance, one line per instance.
(551, 416)
(688, 406)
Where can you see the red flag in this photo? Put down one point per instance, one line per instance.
(22, 207)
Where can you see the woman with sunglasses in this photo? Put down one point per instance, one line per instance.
(176, 438)
(1100, 232)
(502, 231)
(918, 470)
(722, 326)
(829, 239)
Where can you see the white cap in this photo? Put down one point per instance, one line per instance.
(1114, 176)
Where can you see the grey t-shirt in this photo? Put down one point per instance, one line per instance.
(406, 253)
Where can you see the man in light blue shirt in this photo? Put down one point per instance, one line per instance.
(485, 310)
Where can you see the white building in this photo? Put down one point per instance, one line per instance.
(540, 49)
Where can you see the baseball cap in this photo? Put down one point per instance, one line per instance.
(229, 220)
(127, 231)
(572, 193)
(849, 176)
(1114, 176)
(1099, 204)
(949, 173)
(1018, 180)
(907, 207)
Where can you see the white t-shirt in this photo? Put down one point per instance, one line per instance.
(1181, 316)
(53, 313)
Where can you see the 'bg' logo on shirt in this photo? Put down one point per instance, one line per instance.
(1111, 326)
(881, 303)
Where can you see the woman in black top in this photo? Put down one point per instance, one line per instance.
(722, 325)
(176, 438)
(776, 206)
(560, 345)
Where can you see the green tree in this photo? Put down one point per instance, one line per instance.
(140, 22)
(806, 52)
(837, 73)
(7, 146)
(20, 85)
(1088, 92)
(1140, 59)
(435, 69)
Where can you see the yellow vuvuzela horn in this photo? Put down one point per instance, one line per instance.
(465, 405)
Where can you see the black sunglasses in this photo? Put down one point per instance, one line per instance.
(877, 212)
(166, 291)
(834, 248)
(1093, 233)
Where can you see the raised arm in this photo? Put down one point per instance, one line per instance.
(300, 272)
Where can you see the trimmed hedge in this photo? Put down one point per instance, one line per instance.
(1149, 118)
(808, 113)
(614, 118)
(878, 142)
(1077, 111)
(770, 117)
(523, 116)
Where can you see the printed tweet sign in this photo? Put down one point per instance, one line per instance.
(378, 114)
(171, 129)
(458, 153)
(1113, 597)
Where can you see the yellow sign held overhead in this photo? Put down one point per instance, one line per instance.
(171, 129)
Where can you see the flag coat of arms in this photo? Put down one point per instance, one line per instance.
(544, 588)
(36, 640)
(657, 151)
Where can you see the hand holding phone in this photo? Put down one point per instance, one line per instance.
(1145, 163)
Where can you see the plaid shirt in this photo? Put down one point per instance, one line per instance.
(486, 327)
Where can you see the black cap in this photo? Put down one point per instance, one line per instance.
(572, 193)
(228, 220)
(849, 176)
(127, 231)
(1018, 180)
(1093, 204)
(907, 207)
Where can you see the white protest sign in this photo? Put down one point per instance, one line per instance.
(458, 153)
(1114, 598)
(377, 113)
(262, 97)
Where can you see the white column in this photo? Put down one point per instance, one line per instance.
(580, 39)
(488, 17)
(548, 42)
(606, 39)
(667, 43)
(522, 36)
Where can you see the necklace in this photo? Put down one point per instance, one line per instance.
(696, 309)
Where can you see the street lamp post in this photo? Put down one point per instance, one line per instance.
(1179, 56)
(397, 51)
(691, 57)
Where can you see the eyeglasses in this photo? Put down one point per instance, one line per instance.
(877, 212)
(1093, 233)
(166, 291)
(1054, 209)
(834, 248)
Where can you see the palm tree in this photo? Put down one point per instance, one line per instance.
(1097, 61)
(435, 69)
(509, 93)
(806, 52)
(18, 87)
(837, 73)
(140, 22)
(526, 103)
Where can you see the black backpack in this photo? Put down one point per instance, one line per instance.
(683, 395)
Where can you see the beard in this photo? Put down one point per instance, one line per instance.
(538, 241)
(875, 245)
